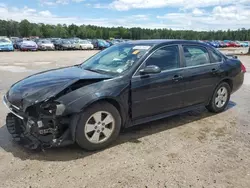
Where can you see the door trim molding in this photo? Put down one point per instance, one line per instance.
(165, 115)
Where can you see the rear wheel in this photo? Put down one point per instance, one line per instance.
(220, 98)
(99, 126)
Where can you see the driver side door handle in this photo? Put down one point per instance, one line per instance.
(176, 78)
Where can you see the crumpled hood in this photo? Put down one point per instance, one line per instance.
(44, 85)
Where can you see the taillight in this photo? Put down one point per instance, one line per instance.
(243, 68)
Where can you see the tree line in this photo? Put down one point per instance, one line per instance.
(26, 29)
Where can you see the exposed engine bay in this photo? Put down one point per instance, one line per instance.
(43, 124)
(40, 126)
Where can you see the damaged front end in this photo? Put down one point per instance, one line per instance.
(39, 117)
(41, 125)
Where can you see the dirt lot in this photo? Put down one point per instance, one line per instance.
(195, 149)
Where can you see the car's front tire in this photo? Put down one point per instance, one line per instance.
(99, 126)
(220, 98)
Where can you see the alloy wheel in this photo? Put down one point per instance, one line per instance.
(221, 97)
(99, 127)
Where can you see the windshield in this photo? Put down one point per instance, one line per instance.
(102, 41)
(4, 40)
(45, 41)
(116, 59)
(83, 41)
(19, 41)
(66, 42)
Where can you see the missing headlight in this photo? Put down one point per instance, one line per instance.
(60, 109)
(53, 108)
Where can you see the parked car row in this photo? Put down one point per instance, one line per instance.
(227, 43)
(34, 44)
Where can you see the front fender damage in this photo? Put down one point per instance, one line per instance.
(44, 124)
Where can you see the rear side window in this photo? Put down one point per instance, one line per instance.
(166, 58)
(215, 57)
(195, 55)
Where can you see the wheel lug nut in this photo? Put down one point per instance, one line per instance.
(103, 124)
(95, 127)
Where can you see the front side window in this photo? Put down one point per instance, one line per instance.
(165, 58)
(116, 59)
(195, 55)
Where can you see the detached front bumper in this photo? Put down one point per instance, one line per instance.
(33, 133)
(19, 133)
(12, 108)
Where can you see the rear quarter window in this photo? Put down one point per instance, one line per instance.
(215, 57)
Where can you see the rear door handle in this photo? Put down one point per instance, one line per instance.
(176, 78)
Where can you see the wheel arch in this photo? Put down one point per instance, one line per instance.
(210, 106)
(228, 80)
(110, 100)
(113, 101)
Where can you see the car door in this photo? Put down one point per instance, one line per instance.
(162, 92)
(201, 73)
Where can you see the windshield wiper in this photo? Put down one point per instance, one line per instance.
(96, 70)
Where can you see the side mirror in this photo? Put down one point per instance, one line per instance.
(151, 69)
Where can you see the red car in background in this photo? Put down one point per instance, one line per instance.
(232, 44)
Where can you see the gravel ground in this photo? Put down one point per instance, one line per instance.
(194, 149)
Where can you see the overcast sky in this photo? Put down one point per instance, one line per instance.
(175, 14)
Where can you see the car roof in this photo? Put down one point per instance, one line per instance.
(165, 41)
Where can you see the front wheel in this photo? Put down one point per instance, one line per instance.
(98, 127)
(220, 98)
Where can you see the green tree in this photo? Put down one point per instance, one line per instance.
(25, 28)
(36, 31)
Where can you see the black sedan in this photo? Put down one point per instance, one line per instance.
(63, 44)
(125, 85)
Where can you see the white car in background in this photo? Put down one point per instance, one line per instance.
(84, 45)
(45, 45)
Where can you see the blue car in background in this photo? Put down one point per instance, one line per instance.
(17, 43)
(100, 44)
(244, 44)
(6, 45)
(213, 44)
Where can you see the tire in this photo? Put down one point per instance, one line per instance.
(14, 127)
(95, 139)
(218, 103)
